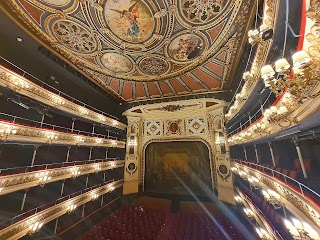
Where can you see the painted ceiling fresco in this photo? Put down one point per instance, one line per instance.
(142, 49)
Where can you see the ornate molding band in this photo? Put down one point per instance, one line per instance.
(20, 133)
(19, 181)
(22, 228)
(21, 85)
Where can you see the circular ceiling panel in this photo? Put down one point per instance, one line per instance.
(185, 47)
(116, 62)
(130, 20)
(153, 66)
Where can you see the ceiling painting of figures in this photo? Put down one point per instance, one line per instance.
(142, 49)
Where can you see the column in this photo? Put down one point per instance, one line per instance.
(34, 154)
(72, 126)
(245, 153)
(224, 179)
(131, 177)
(272, 154)
(300, 159)
(257, 155)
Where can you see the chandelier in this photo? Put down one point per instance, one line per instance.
(249, 213)
(299, 230)
(305, 76)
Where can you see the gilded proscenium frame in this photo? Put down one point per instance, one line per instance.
(15, 182)
(298, 205)
(11, 80)
(269, 18)
(21, 228)
(39, 135)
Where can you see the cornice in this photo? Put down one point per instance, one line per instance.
(26, 180)
(21, 85)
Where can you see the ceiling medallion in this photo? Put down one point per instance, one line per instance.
(153, 66)
(74, 36)
(185, 47)
(130, 20)
(116, 62)
(200, 11)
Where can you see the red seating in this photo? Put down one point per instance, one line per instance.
(131, 223)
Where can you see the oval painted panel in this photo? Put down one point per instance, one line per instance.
(130, 20)
(56, 2)
(116, 62)
(185, 47)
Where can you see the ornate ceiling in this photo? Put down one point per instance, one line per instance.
(142, 49)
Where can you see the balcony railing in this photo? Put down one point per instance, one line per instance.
(18, 80)
(48, 173)
(302, 189)
(21, 225)
(274, 231)
(13, 132)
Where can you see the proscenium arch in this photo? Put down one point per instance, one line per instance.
(212, 153)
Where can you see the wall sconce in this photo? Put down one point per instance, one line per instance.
(57, 100)
(83, 110)
(43, 178)
(243, 174)
(79, 140)
(260, 127)
(75, 172)
(238, 199)
(113, 143)
(115, 123)
(234, 169)
(99, 141)
(273, 198)
(256, 36)
(50, 137)
(305, 72)
(263, 234)
(19, 84)
(35, 227)
(97, 167)
(254, 182)
(300, 230)
(111, 188)
(279, 116)
(71, 208)
(6, 131)
(94, 196)
(249, 213)
(101, 118)
(113, 164)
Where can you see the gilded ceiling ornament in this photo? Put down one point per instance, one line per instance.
(73, 36)
(56, 3)
(201, 11)
(153, 66)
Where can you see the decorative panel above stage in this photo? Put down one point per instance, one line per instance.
(142, 49)
(181, 168)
